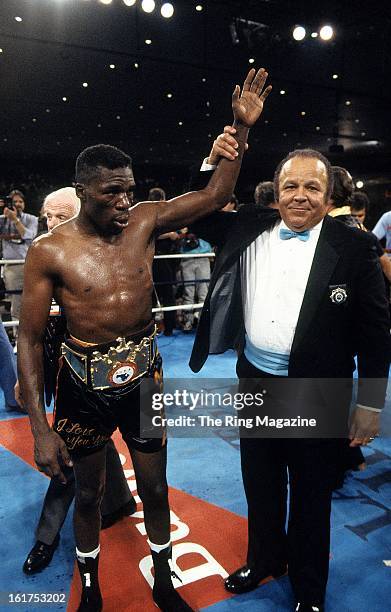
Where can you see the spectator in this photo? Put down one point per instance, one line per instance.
(382, 229)
(264, 195)
(17, 231)
(195, 273)
(359, 206)
(163, 270)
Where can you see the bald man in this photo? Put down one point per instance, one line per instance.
(58, 207)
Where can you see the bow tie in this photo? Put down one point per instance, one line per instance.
(287, 234)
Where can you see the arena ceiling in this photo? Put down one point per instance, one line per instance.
(163, 102)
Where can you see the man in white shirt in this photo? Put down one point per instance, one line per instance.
(306, 295)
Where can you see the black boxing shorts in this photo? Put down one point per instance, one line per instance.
(99, 389)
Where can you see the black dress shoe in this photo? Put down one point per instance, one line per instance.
(126, 510)
(40, 556)
(246, 579)
(306, 607)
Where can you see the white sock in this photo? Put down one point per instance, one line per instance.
(81, 556)
(158, 547)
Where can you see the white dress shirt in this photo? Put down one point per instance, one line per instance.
(274, 276)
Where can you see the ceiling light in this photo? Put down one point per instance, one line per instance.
(199, 7)
(348, 103)
(136, 65)
(363, 133)
(148, 6)
(169, 95)
(314, 34)
(1, 50)
(326, 32)
(148, 41)
(317, 128)
(112, 66)
(34, 120)
(129, 2)
(106, 1)
(167, 10)
(64, 99)
(18, 19)
(357, 121)
(359, 184)
(85, 84)
(141, 107)
(180, 122)
(302, 113)
(48, 110)
(203, 79)
(251, 60)
(118, 117)
(299, 33)
(335, 76)
(282, 92)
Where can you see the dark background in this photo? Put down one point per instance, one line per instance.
(62, 43)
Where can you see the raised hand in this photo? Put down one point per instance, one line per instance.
(248, 105)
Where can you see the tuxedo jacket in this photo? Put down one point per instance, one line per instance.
(330, 332)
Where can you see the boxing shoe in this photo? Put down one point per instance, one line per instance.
(164, 595)
(305, 607)
(246, 579)
(126, 510)
(91, 598)
(40, 556)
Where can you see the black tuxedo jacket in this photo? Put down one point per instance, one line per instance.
(329, 334)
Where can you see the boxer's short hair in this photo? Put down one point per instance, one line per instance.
(99, 156)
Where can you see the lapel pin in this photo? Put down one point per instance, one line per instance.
(338, 295)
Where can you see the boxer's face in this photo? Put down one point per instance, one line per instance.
(107, 199)
(302, 192)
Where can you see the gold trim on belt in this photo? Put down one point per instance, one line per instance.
(115, 368)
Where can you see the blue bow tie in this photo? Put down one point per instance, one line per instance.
(286, 234)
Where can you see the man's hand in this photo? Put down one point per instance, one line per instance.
(364, 426)
(225, 145)
(248, 105)
(12, 215)
(49, 447)
(18, 396)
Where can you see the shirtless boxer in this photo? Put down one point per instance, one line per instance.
(59, 206)
(98, 268)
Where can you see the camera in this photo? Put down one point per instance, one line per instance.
(7, 202)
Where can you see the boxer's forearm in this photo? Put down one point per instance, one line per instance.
(30, 372)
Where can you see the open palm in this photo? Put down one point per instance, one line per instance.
(248, 105)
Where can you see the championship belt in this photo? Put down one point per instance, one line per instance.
(114, 368)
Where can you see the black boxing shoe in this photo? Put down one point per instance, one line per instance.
(108, 520)
(306, 607)
(246, 579)
(40, 556)
(164, 595)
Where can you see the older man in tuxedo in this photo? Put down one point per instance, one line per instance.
(273, 297)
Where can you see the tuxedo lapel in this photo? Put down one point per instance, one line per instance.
(327, 254)
(247, 229)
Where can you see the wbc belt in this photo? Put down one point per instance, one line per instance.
(112, 365)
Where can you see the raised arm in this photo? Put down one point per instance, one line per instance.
(247, 107)
(37, 295)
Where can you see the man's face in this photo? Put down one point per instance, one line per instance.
(360, 215)
(57, 211)
(18, 203)
(303, 188)
(107, 198)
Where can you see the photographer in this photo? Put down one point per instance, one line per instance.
(17, 231)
